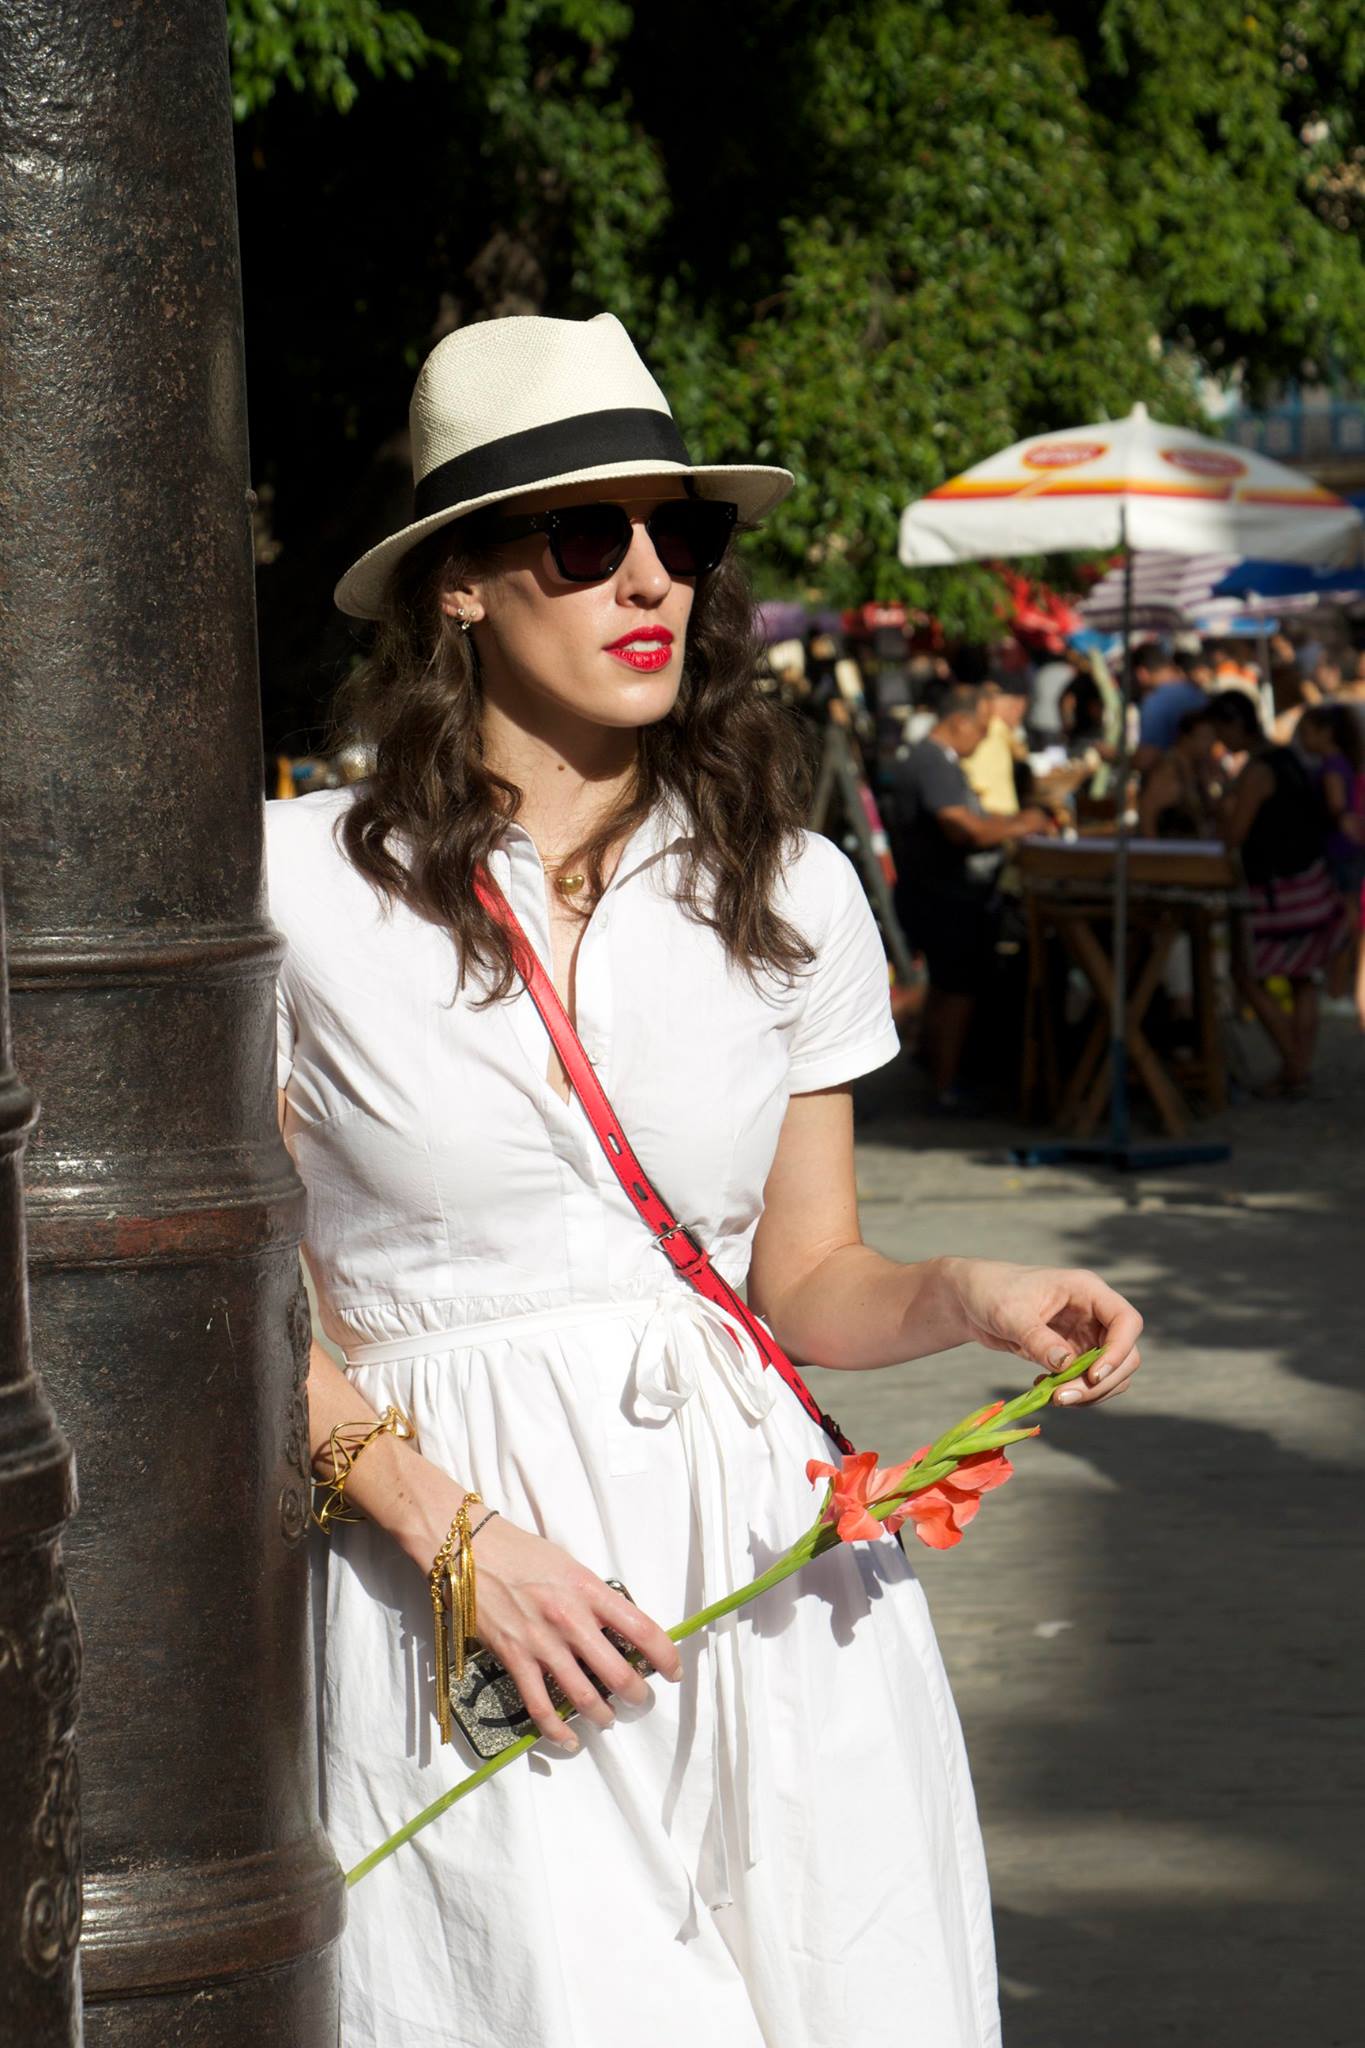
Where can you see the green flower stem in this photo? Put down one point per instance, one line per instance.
(1034, 1398)
(939, 1462)
(802, 1551)
(805, 1547)
(439, 1806)
(1027, 1403)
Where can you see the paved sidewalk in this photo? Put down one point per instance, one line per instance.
(1155, 1632)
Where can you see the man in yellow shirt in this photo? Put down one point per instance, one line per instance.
(990, 767)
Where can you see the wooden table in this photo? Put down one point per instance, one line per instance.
(1174, 886)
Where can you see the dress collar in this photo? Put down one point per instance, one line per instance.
(666, 828)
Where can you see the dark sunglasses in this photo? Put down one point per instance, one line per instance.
(588, 542)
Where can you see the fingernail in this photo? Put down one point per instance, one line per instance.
(1058, 1358)
(571, 1745)
(1066, 1396)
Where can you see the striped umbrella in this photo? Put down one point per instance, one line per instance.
(1167, 590)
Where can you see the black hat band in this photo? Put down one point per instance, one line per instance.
(590, 440)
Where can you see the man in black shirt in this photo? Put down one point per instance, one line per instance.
(947, 858)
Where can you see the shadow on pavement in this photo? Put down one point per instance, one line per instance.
(1158, 1654)
(1201, 1793)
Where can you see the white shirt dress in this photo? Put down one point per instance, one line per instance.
(783, 1849)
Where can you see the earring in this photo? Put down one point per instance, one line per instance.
(464, 621)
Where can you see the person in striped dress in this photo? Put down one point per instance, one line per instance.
(1274, 817)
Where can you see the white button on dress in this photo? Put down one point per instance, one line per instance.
(783, 1849)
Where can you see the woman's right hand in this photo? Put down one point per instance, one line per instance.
(541, 1612)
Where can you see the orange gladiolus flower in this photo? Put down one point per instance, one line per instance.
(856, 1484)
(940, 1512)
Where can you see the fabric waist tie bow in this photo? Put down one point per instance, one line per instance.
(693, 1356)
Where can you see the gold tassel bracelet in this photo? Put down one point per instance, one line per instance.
(454, 1568)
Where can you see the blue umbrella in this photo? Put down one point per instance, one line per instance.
(1287, 579)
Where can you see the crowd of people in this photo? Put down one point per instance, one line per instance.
(1263, 751)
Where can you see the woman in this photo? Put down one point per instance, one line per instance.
(780, 1846)
(1174, 801)
(1275, 817)
(1332, 738)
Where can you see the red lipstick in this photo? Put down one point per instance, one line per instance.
(645, 649)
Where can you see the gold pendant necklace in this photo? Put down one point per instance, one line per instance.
(567, 885)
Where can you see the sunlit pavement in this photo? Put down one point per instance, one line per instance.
(1155, 1632)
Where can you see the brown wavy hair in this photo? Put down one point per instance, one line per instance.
(734, 759)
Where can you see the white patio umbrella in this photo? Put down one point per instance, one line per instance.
(1133, 484)
(1130, 483)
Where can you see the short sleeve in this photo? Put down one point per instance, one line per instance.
(928, 780)
(845, 1026)
(284, 1036)
(281, 863)
(1152, 723)
(315, 899)
(943, 785)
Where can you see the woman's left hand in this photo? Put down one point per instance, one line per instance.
(1050, 1315)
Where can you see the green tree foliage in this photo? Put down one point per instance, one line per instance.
(316, 46)
(874, 243)
(948, 275)
(1238, 162)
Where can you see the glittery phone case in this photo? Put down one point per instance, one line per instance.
(490, 1712)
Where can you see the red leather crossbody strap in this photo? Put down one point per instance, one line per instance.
(679, 1246)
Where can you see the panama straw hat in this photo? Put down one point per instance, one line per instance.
(518, 404)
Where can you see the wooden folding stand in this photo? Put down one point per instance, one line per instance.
(843, 796)
(1175, 887)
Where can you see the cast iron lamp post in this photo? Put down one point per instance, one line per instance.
(163, 1213)
(40, 1868)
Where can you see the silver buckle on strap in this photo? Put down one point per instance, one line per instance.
(661, 1238)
